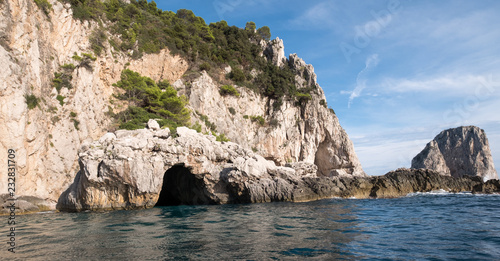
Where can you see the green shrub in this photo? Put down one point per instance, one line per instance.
(62, 80)
(44, 5)
(205, 66)
(60, 98)
(221, 138)
(245, 116)
(72, 114)
(149, 101)
(228, 90)
(259, 119)
(76, 57)
(31, 100)
(237, 75)
(232, 110)
(97, 39)
(68, 66)
(76, 123)
(197, 127)
(303, 97)
(89, 56)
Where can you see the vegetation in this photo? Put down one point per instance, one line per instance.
(221, 138)
(31, 100)
(68, 66)
(76, 57)
(62, 80)
(228, 90)
(76, 123)
(44, 5)
(303, 97)
(210, 125)
(140, 27)
(60, 98)
(259, 119)
(232, 110)
(150, 100)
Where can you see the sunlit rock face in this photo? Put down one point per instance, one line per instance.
(462, 151)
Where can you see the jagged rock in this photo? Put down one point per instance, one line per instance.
(462, 151)
(130, 171)
(152, 124)
(275, 52)
(305, 72)
(32, 48)
(140, 170)
(23, 204)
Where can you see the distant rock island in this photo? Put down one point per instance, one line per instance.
(458, 152)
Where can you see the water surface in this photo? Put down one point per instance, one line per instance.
(418, 227)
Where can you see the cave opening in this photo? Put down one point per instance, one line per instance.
(181, 187)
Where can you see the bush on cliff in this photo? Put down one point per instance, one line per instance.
(150, 100)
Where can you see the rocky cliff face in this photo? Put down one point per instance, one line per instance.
(148, 167)
(34, 46)
(309, 132)
(458, 152)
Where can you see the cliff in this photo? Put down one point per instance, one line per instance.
(458, 152)
(148, 167)
(43, 50)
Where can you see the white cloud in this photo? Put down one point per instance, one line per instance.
(371, 62)
(319, 16)
(458, 84)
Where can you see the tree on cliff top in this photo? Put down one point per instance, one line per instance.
(150, 100)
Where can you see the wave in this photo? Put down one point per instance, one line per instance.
(442, 192)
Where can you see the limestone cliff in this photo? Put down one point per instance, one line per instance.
(462, 151)
(148, 167)
(310, 132)
(34, 46)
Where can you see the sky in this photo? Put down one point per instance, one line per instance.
(396, 72)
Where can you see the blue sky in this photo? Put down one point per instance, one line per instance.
(395, 72)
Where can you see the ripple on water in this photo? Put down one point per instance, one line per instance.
(430, 226)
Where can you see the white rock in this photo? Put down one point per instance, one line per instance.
(153, 125)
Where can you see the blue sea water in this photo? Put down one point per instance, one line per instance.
(431, 226)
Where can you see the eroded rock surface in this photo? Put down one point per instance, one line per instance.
(458, 152)
(144, 168)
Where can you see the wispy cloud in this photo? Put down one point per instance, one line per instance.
(318, 16)
(371, 62)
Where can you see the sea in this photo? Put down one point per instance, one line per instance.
(420, 226)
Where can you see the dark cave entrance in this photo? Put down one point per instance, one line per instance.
(181, 187)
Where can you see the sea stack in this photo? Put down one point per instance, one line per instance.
(458, 152)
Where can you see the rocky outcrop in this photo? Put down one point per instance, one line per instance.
(33, 46)
(458, 152)
(274, 51)
(144, 168)
(135, 169)
(308, 132)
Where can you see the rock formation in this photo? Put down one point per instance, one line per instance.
(458, 152)
(144, 168)
(35, 45)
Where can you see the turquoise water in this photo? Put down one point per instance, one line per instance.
(417, 227)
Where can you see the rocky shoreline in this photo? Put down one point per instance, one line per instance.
(152, 167)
